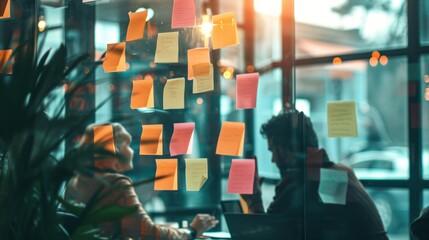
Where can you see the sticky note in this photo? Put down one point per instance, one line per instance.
(174, 94)
(224, 30)
(342, 119)
(5, 64)
(151, 140)
(142, 94)
(196, 173)
(167, 48)
(115, 58)
(103, 136)
(203, 78)
(166, 167)
(231, 139)
(136, 25)
(195, 56)
(241, 176)
(247, 89)
(4, 9)
(181, 140)
(183, 14)
(333, 186)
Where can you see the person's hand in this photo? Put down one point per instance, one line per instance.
(203, 222)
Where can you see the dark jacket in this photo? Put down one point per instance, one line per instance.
(357, 219)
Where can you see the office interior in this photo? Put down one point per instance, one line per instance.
(307, 53)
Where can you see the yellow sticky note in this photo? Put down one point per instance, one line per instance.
(174, 94)
(142, 94)
(168, 168)
(103, 136)
(195, 56)
(196, 173)
(5, 64)
(203, 78)
(115, 58)
(151, 140)
(342, 119)
(4, 9)
(224, 30)
(136, 25)
(167, 48)
(231, 139)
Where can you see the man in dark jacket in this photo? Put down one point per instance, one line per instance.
(295, 150)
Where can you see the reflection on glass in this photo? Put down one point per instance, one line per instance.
(380, 151)
(338, 27)
(268, 32)
(424, 20)
(392, 204)
(268, 104)
(425, 113)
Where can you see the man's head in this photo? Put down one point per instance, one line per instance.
(121, 160)
(285, 140)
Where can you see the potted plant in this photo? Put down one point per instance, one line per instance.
(31, 178)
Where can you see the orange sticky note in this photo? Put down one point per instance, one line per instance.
(166, 167)
(151, 140)
(4, 9)
(142, 95)
(247, 89)
(136, 25)
(241, 176)
(183, 13)
(5, 64)
(103, 136)
(224, 30)
(181, 141)
(195, 56)
(115, 58)
(231, 139)
(203, 78)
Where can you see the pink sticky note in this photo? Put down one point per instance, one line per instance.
(181, 141)
(241, 176)
(183, 14)
(247, 88)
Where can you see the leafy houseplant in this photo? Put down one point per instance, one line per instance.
(31, 179)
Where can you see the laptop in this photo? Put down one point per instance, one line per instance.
(231, 206)
(262, 226)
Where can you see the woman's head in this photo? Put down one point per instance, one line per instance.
(110, 137)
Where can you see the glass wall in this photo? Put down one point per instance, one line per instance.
(339, 27)
(345, 50)
(424, 19)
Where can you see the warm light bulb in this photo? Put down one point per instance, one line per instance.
(200, 100)
(227, 75)
(384, 59)
(337, 61)
(41, 25)
(206, 26)
(373, 61)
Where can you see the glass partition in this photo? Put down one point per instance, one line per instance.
(380, 151)
(339, 27)
(424, 20)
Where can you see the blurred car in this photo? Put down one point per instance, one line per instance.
(390, 163)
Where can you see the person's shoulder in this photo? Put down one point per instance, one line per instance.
(341, 166)
(116, 178)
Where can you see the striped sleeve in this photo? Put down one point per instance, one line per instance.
(140, 225)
